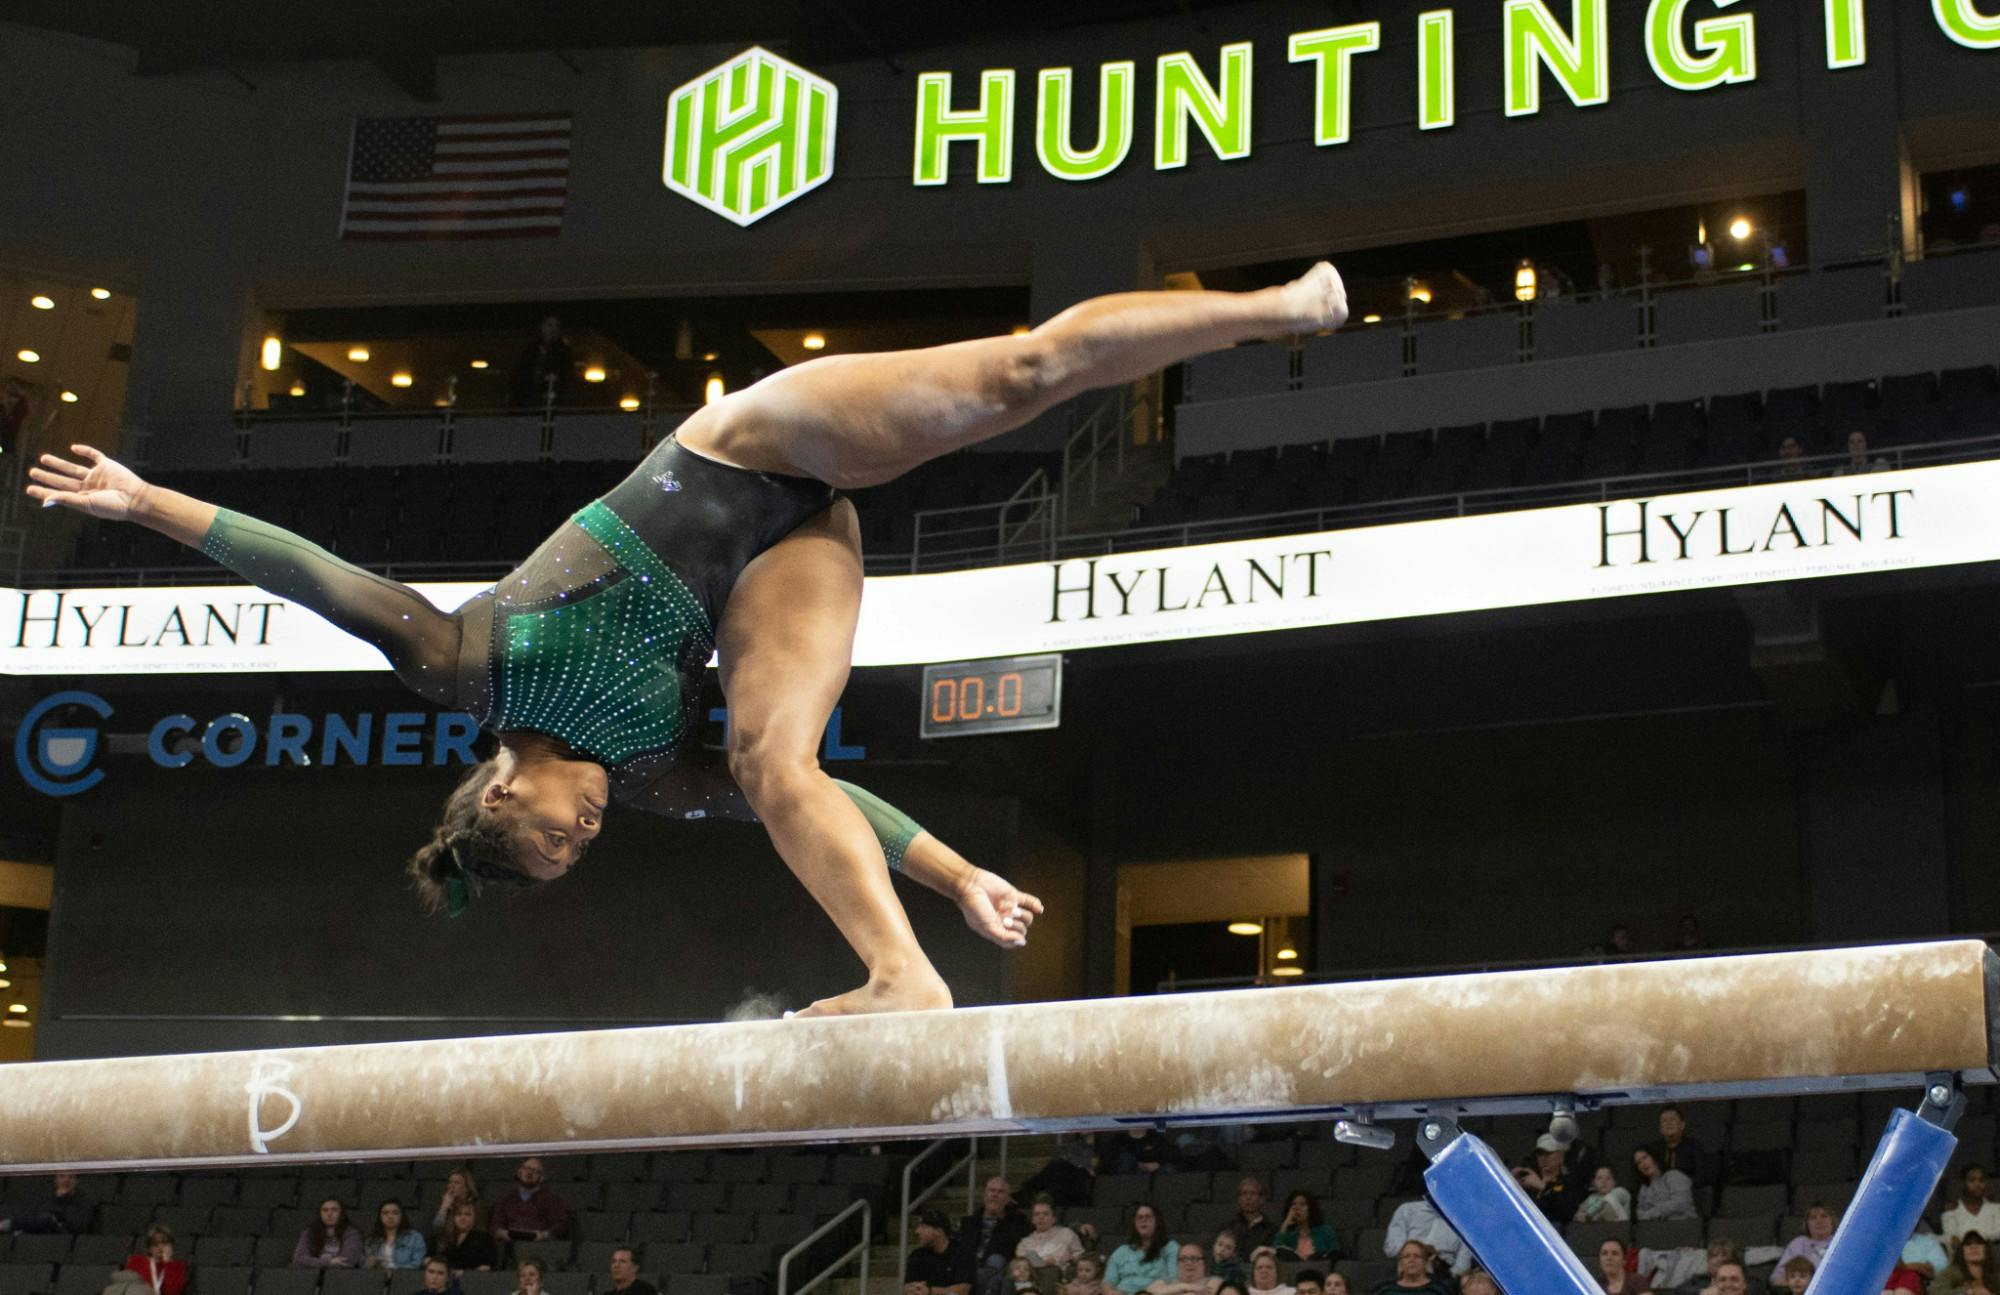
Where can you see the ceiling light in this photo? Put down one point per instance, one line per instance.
(714, 391)
(709, 357)
(26, 356)
(358, 354)
(1287, 954)
(480, 364)
(1739, 229)
(102, 294)
(3, 966)
(813, 341)
(1746, 266)
(628, 403)
(18, 1023)
(69, 397)
(1022, 330)
(297, 388)
(442, 402)
(401, 378)
(20, 1009)
(595, 373)
(1420, 292)
(42, 303)
(273, 354)
(1246, 928)
(1289, 969)
(1524, 281)
(1371, 319)
(6, 983)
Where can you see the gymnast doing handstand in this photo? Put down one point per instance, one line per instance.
(730, 538)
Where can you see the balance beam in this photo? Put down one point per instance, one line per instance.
(1822, 1020)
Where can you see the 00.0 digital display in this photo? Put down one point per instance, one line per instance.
(999, 696)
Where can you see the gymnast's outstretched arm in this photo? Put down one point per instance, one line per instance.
(420, 641)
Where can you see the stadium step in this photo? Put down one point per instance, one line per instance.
(1147, 468)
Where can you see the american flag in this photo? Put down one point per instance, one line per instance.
(457, 177)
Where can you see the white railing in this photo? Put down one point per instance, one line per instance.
(1020, 528)
(860, 1248)
(1093, 458)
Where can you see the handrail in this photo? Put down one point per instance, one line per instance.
(867, 1237)
(970, 1163)
(1104, 428)
(1033, 495)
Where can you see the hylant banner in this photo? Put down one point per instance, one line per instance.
(1788, 530)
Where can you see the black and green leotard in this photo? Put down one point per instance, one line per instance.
(599, 639)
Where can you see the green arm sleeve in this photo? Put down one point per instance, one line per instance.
(893, 827)
(420, 641)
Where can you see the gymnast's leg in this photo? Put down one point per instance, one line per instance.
(859, 420)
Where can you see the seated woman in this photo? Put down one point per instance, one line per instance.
(158, 1267)
(391, 1242)
(528, 1276)
(1608, 1202)
(1147, 1256)
(1663, 1194)
(1820, 1223)
(1264, 1273)
(1050, 1245)
(459, 1187)
(1413, 1273)
(329, 1241)
(1612, 1274)
(1970, 1272)
(463, 1244)
(1304, 1233)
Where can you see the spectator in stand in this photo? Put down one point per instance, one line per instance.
(1050, 1245)
(1147, 1256)
(463, 1244)
(1020, 1275)
(547, 356)
(1264, 1273)
(1087, 1278)
(1619, 944)
(1310, 1281)
(459, 1187)
(1690, 939)
(1791, 460)
(1232, 1288)
(1678, 1149)
(1140, 1150)
(936, 1266)
(1068, 1175)
(1973, 1211)
(1418, 1220)
(624, 1269)
(528, 1275)
(1924, 1254)
(439, 1278)
(532, 1211)
(1549, 1184)
(390, 1243)
(1731, 1278)
(990, 1235)
(1858, 463)
(1303, 1233)
(1820, 1222)
(1663, 1193)
(1191, 1277)
(1613, 1270)
(1607, 1202)
(1478, 1282)
(64, 1209)
(1413, 1273)
(1793, 1275)
(157, 1267)
(1253, 1228)
(330, 1241)
(1971, 1270)
(1722, 1253)
(1225, 1258)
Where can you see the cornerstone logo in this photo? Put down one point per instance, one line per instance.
(749, 136)
(56, 761)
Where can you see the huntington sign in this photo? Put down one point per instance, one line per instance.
(744, 138)
(749, 136)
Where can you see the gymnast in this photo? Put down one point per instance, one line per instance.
(731, 537)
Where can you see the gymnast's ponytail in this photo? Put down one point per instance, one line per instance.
(468, 850)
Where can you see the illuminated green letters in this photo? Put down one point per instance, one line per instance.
(749, 136)
(1330, 51)
(1182, 91)
(1580, 63)
(1114, 123)
(1727, 47)
(990, 127)
(1437, 80)
(1846, 35)
(1966, 25)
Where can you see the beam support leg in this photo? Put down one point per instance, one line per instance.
(1899, 1182)
(1482, 1202)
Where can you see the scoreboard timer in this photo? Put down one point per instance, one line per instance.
(1004, 695)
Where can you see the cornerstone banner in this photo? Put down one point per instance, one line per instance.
(1788, 530)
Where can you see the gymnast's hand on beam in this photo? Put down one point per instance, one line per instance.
(100, 485)
(995, 909)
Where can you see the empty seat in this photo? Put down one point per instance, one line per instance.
(276, 1252)
(594, 1256)
(696, 1284)
(230, 1252)
(697, 1198)
(90, 1279)
(208, 1191)
(799, 1168)
(28, 1279)
(1585, 1238)
(760, 1198)
(783, 1231)
(374, 1281)
(740, 1260)
(681, 1166)
(677, 1258)
(1746, 1230)
(499, 1282)
(108, 1251)
(603, 1225)
(659, 1225)
(148, 1189)
(728, 1229)
(567, 1283)
(223, 1280)
(239, 1220)
(41, 1248)
(1666, 1234)
(632, 1197)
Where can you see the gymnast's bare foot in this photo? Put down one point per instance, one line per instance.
(1316, 301)
(913, 993)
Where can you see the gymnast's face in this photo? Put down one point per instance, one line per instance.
(553, 810)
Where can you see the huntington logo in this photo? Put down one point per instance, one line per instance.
(749, 136)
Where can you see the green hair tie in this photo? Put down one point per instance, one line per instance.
(457, 894)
